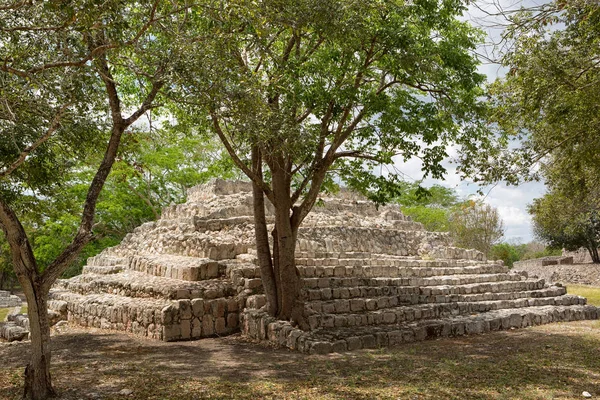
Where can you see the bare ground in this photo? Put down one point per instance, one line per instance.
(557, 361)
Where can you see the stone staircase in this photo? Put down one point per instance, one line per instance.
(371, 277)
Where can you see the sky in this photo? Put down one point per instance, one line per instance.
(511, 201)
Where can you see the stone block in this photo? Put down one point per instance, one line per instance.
(171, 332)
(368, 341)
(339, 346)
(197, 307)
(320, 348)
(354, 343)
(220, 326)
(232, 321)
(208, 328)
(185, 309)
(186, 329)
(196, 328)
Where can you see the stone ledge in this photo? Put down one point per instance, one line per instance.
(258, 325)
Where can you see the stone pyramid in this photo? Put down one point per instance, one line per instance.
(372, 277)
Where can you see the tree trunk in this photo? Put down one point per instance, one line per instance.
(276, 269)
(284, 250)
(262, 239)
(594, 253)
(38, 384)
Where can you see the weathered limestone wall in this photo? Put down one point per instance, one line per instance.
(542, 262)
(582, 274)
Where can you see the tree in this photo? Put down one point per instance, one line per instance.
(69, 71)
(567, 221)
(301, 91)
(152, 170)
(430, 206)
(508, 252)
(476, 225)
(547, 107)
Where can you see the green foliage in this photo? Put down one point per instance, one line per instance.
(434, 219)
(509, 253)
(549, 100)
(430, 206)
(547, 252)
(346, 84)
(471, 224)
(476, 225)
(563, 220)
(512, 252)
(154, 170)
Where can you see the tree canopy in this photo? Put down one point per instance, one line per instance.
(546, 109)
(302, 91)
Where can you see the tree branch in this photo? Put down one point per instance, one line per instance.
(25, 153)
(238, 162)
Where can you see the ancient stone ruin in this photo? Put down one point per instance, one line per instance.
(8, 300)
(372, 277)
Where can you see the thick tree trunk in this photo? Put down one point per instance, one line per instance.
(285, 234)
(262, 239)
(38, 384)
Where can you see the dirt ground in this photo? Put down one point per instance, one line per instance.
(552, 361)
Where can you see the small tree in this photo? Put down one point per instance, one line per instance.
(476, 225)
(68, 70)
(298, 89)
(432, 206)
(507, 252)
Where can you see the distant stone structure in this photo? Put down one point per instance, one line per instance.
(372, 277)
(543, 261)
(580, 256)
(565, 269)
(8, 300)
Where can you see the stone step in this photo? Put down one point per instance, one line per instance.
(141, 316)
(105, 260)
(8, 300)
(209, 211)
(166, 320)
(416, 294)
(176, 267)
(383, 260)
(330, 257)
(343, 313)
(258, 325)
(140, 285)
(368, 271)
(102, 269)
(446, 280)
(383, 302)
(224, 246)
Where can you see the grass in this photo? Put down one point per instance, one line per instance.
(592, 293)
(556, 361)
(4, 312)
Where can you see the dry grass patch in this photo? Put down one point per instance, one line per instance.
(592, 293)
(557, 361)
(3, 313)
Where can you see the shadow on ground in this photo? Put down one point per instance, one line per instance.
(553, 361)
